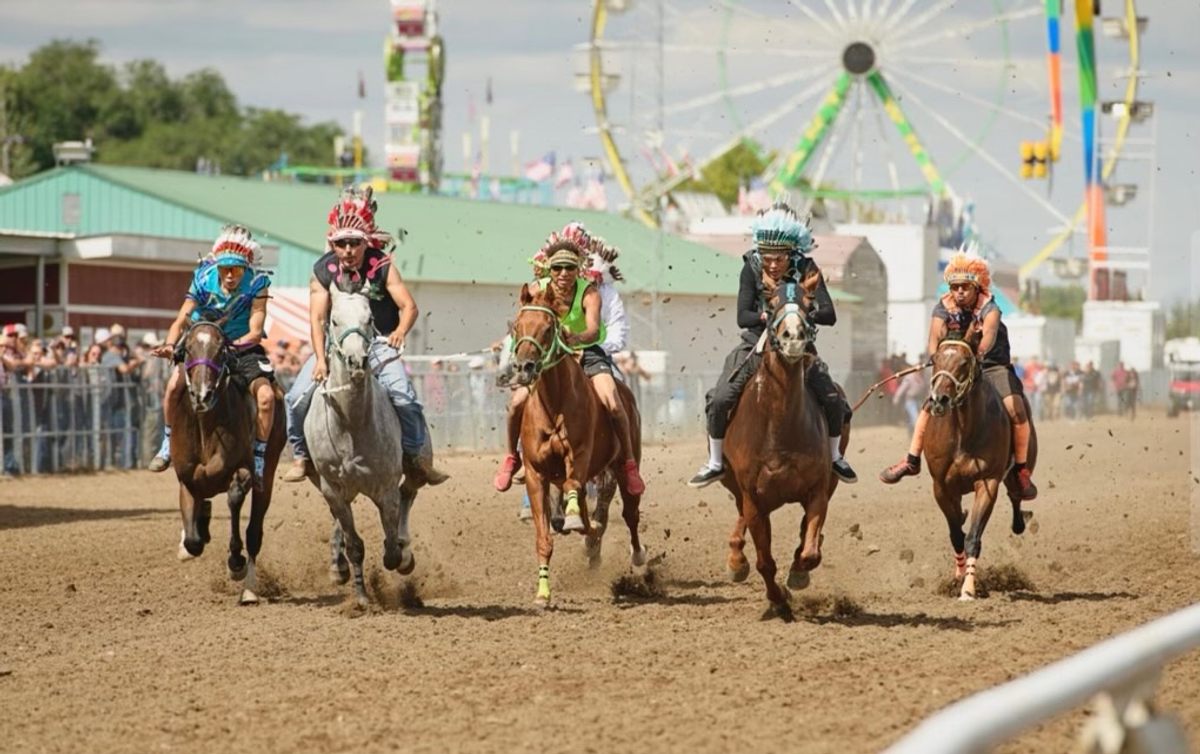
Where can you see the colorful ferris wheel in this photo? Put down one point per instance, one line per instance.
(864, 102)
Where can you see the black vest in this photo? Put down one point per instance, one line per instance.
(372, 274)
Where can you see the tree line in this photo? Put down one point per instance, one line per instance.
(136, 114)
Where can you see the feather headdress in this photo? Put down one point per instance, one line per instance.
(354, 217)
(966, 266)
(234, 247)
(598, 254)
(781, 229)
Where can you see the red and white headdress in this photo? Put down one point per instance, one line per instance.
(354, 217)
(234, 247)
(598, 255)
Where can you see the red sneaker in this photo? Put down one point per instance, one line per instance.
(1025, 482)
(633, 479)
(893, 474)
(504, 477)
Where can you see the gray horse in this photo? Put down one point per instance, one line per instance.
(354, 442)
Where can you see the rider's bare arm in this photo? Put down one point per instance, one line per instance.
(176, 329)
(591, 314)
(937, 331)
(318, 314)
(403, 299)
(991, 328)
(258, 320)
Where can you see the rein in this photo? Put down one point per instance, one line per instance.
(961, 387)
(220, 369)
(547, 357)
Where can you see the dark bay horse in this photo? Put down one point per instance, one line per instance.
(212, 452)
(968, 448)
(566, 434)
(777, 451)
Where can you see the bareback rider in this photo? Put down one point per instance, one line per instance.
(970, 301)
(781, 246)
(358, 255)
(584, 332)
(227, 289)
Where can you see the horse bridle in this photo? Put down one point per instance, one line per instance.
(334, 345)
(220, 369)
(547, 357)
(790, 308)
(961, 387)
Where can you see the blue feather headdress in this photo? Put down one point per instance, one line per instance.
(781, 229)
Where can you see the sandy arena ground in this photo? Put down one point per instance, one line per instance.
(108, 643)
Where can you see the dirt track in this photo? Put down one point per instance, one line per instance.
(107, 643)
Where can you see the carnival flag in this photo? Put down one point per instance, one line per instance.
(542, 169)
(566, 174)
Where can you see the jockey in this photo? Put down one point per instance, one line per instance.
(358, 253)
(970, 300)
(782, 242)
(561, 261)
(228, 289)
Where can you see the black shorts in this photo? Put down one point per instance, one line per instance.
(595, 360)
(1004, 379)
(248, 365)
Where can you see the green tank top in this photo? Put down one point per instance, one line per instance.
(575, 320)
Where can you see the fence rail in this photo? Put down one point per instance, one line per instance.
(1120, 672)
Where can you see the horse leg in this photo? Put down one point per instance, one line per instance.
(389, 520)
(236, 562)
(981, 511)
(1019, 517)
(344, 515)
(606, 490)
(951, 506)
(539, 503)
(408, 496)
(736, 565)
(260, 501)
(196, 514)
(574, 512)
(760, 529)
(808, 554)
(631, 512)
(339, 567)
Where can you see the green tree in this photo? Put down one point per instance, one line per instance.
(1183, 319)
(725, 174)
(1065, 301)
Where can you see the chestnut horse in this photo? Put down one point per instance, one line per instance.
(566, 433)
(777, 451)
(212, 452)
(968, 448)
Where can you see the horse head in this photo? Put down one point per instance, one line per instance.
(789, 330)
(955, 368)
(206, 363)
(537, 339)
(351, 329)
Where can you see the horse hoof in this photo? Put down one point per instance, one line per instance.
(780, 610)
(542, 603)
(572, 523)
(797, 579)
(391, 560)
(966, 597)
(556, 524)
(739, 574)
(184, 555)
(339, 576)
(237, 575)
(408, 563)
(639, 557)
(248, 598)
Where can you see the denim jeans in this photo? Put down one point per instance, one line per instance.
(389, 371)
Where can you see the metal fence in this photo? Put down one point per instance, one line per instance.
(91, 418)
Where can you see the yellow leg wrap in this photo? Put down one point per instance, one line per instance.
(572, 506)
(543, 590)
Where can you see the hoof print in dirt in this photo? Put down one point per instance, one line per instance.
(633, 588)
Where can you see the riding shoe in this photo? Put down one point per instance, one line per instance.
(300, 469)
(504, 477)
(1025, 482)
(844, 472)
(705, 476)
(633, 479)
(159, 463)
(419, 470)
(893, 474)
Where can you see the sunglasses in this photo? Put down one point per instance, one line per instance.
(961, 286)
(562, 267)
(348, 243)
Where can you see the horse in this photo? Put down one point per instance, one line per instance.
(968, 447)
(777, 451)
(566, 434)
(212, 452)
(354, 443)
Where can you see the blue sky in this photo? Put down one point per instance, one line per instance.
(304, 56)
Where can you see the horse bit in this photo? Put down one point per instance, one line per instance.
(961, 387)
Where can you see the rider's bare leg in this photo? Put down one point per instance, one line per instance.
(264, 398)
(606, 390)
(162, 460)
(1015, 406)
(910, 466)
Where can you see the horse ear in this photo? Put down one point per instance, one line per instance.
(526, 296)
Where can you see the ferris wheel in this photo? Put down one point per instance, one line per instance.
(862, 102)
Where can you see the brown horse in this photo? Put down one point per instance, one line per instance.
(566, 434)
(777, 451)
(968, 447)
(212, 452)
